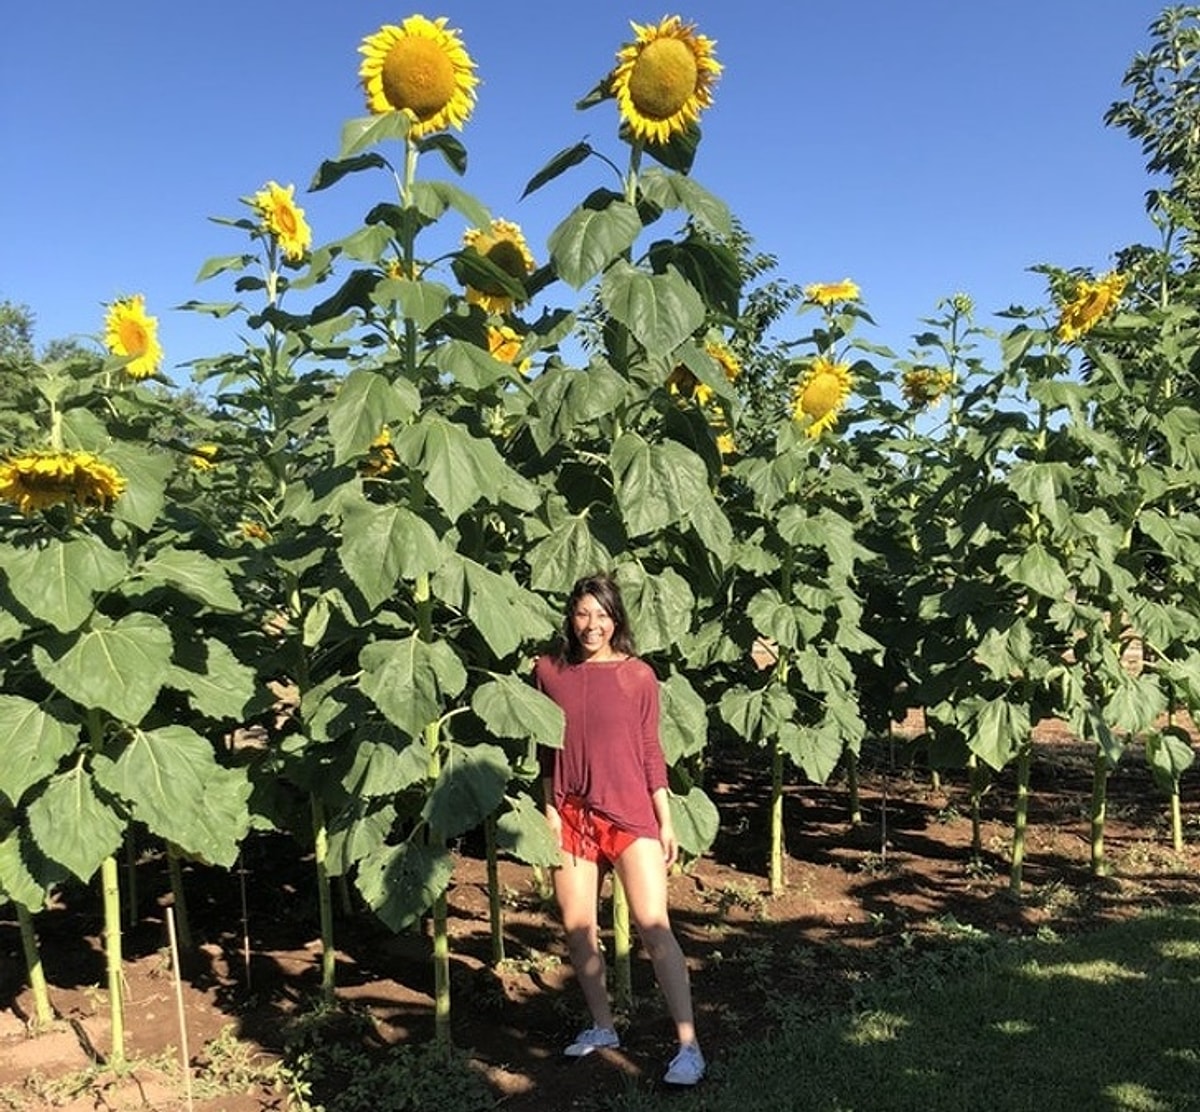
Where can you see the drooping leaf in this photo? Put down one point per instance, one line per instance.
(656, 484)
(146, 473)
(996, 729)
(459, 469)
(194, 573)
(522, 831)
(73, 825)
(216, 683)
(696, 821)
(400, 883)
(368, 131)
(365, 404)
(567, 552)
(382, 543)
(32, 742)
(411, 680)
(58, 583)
(469, 787)
(560, 163)
(683, 725)
(591, 237)
(330, 171)
(381, 769)
(660, 310)
(511, 707)
(503, 611)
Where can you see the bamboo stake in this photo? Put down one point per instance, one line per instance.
(185, 1063)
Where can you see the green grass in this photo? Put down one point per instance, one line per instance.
(1105, 1022)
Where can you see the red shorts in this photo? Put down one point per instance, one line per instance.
(590, 836)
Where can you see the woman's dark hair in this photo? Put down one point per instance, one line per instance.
(603, 588)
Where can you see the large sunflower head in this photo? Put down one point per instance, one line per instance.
(37, 480)
(664, 79)
(283, 219)
(422, 69)
(129, 332)
(923, 386)
(1091, 302)
(503, 245)
(821, 395)
(829, 293)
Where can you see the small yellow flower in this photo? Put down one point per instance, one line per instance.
(926, 385)
(203, 457)
(1090, 303)
(381, 457)
(829, 293)
(682, 383)
(37, 480)
(502, 244)
(663, 80)
(283, 219)
(254, 531)
(422, 69)
(727, 360)
(129, 332)
(504, 344)
(821, 395)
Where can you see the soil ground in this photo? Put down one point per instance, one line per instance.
(903, 874)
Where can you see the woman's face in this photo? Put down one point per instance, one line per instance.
(593, 629)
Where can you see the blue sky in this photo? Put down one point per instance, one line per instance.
(921, 148)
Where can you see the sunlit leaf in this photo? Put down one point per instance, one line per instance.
(400, 883)
(32, 742)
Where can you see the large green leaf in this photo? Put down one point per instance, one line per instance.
(814, 749)
(996, 729)
(696, 821)
(469, 787)
(215, 682)
(146, 473)
(57, 584)
(565, 399)
(400, 883)
(566, 553)
(382, 543)
(660, 310)
(499, 607)
(365, 404)
(774, 618)
(683, 721)
(522, 830)
(593, 236)
(660, 606)
(17, 882)
(1169, 753)
(195, 574)
(32, 742)
(1136, 703)
(673, 191)
(411, 680)
(380, 769)
(471, 366)
(511, 707)
(1038, 570)
(118, 667)
(656, 484)
(368, 131)
(73, 825)
(420, 301)
(356, 832)
(459, 469)
(172, 780)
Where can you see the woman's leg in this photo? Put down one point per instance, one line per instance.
(644, 875)
(577, 888)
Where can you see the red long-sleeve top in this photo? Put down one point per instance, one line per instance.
(611, 755)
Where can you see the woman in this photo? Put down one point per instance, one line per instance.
(606, 801)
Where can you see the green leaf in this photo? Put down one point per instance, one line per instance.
(1136, 704)
(411, 681)
(656, 485)
(380, 769)
(400, 883)
(17, 881)
(382, 543)
(146, 473)
(118, 667)
(448, 147)
(423, 302)
(367, 131)
(479, 272)
(560, 163)
(365, 404)
(58, 583)
(568, 552)
(566, 398)
(673, 191)
(198, 576)
(32, 742)
(595, 234)
(358, 831)
(432, 198)
(1044, 485)
(220, 264)
(996, 729)
(470, 365)
(1169, 753)
(73, 826)
(661, 310)
(522, 831)
(500, 608)
(660, 606)
(459, 469)
(171, 778)
(469, 787)
(774, 618)
(330, 172)
(814, 749)
(1038, 570)
(511, 707)
(683, 720)
(696, 821)
(216, 683)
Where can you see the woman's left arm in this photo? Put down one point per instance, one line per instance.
(666, 829)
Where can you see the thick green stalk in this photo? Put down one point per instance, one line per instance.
(183, 923)
(324, 897)
(495, 914)
(622, 947)
(1021, 818)
(776, 861)
(110, 887)
(441, 971)
(1099, 811)
(33, 963)
(1176, 817)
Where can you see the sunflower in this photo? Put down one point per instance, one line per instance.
(1091, 302)
(827, 293)
(381, 457)
(203, 457)
(926, 385)
(725, 358)
(664, 79)
(504, 344)
(682, 383)
(129, 332)
(422, 69)
(283, 219)
(254, 531)
(36, 480)
(821, 395)
(502, 244)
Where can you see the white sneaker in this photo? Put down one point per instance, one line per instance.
(687, 1067)
(594, 1038)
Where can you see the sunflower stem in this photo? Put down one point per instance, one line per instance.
(33, 963)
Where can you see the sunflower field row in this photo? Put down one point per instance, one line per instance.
(309, 604)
